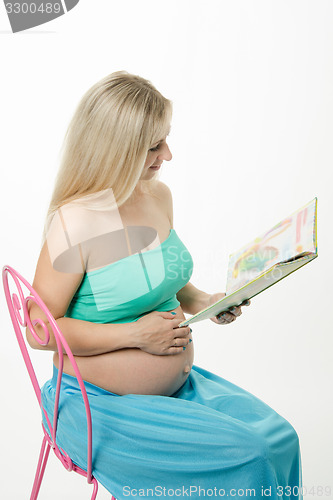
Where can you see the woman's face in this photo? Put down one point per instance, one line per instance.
(155, 157)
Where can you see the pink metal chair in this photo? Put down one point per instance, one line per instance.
(18, 309)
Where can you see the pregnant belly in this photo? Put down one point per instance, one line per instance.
(133, 371)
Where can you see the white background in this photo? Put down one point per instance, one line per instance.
(251, 83)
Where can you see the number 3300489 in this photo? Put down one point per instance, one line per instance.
(32, 8)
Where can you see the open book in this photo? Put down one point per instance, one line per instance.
(283, 249)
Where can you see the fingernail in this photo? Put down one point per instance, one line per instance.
(191, 330)
(173, 313)
(190, 340)
(184, 347)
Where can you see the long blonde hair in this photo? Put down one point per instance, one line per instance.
(106, 143)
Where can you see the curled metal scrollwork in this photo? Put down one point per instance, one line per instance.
(35, 322)
(20, 305)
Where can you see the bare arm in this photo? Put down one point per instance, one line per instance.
(83, 337)
(192, 300)
(86, 338)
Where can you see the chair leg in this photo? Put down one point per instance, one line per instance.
(43, 457)
(95, 489)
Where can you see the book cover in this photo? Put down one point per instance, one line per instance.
(272, 256)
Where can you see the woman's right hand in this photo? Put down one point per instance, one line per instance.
(158, 333)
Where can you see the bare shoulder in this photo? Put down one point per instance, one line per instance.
(62, 261)
(163, 192)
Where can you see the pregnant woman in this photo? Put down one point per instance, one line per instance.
(115, 275)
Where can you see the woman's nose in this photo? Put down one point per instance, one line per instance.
(166, 153)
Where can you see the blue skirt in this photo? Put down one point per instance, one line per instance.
(210, 438)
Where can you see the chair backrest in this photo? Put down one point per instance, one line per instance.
(18, 309)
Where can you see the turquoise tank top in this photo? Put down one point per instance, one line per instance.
(133, 286)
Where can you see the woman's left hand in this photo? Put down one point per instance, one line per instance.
(228, 316)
